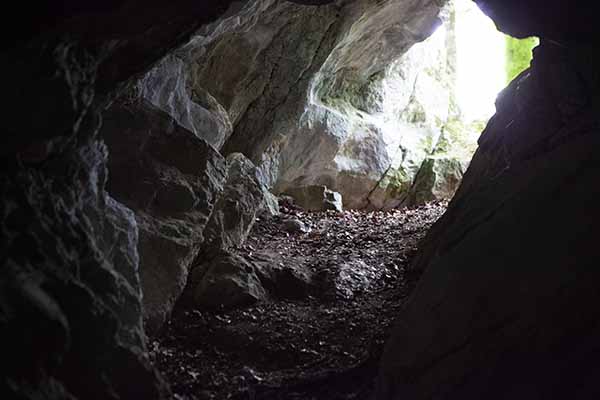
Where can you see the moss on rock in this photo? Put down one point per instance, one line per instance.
(518, 55)
(438, 179)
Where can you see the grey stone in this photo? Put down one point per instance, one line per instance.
(227, 281)
(437, 179)
(71, 324)
(283, 279)
(170, 179)
(230, 280)
(294, 225)
(73, 275)
(242, 200)
(315, 198)
(306, 90)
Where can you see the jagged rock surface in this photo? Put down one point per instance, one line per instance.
(237, 207)
(220, 277)
(508, 304)
(171, 179)
(316, 198)
(65, 286)
(437, 179)
(70, 302)
(306, 92)
(226, 281)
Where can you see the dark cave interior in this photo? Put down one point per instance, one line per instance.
(141, 142)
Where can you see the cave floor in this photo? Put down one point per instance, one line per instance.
(324, 346)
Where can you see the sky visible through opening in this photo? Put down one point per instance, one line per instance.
(481, 62)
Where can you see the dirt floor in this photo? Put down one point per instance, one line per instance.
(325, 345)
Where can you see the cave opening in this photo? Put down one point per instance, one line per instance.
(155, 244)
(351, 214)
(402, 125)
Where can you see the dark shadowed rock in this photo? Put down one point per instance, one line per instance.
(233, 280)
(242, 199)
(221, 278)
(508, 305)
(228, 280)
(283, 280)
(295, 226)
(70, 306)
(552, 19)
(316, 198)
(70, 293)
(171, 179)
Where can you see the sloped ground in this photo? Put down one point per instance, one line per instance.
(324, 346)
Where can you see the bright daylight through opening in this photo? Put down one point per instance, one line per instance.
(481, 62)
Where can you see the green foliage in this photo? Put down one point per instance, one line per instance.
(518, 55)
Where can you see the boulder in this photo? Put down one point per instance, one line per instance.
(437, 179)
(227, 281)
(170, 178)
(70, 270)
(294, 225)
(353, 277)
(283, 279)
(243, 198)
(316, 198)
(231, 280)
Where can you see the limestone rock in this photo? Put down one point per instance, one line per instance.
(294, 225)
(69, 281)
(237, 207)
(367, 138)
(353, 277)
(168, 87)
(315, 198)
(283, 280)
(243, 198)
(71, 272)
(231, 280)
(438, 179)
(228, 280)
(170, 178)
(304, 93)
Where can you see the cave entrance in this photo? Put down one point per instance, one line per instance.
(437, 99)
(403, 132)
(480, 62)
(307, 292)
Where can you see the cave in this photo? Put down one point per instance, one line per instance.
(151, 147)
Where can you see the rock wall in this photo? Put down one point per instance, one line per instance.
(70, 298)
(508, 304)
(308, 93)
(171, 179)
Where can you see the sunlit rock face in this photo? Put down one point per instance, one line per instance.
(508, 305)
(380, 130)
(317, 95)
